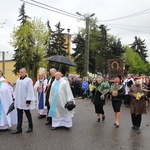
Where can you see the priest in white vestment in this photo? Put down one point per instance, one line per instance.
(6, 121)
(40, 88)
(60, 94)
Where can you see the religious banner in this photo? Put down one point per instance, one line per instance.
(115, 67)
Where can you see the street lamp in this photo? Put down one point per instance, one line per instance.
(86, 53)
(3, 60)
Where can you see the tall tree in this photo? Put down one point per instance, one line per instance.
(58, 41)
(20, 40)
(133, 62)
(139, 46)
(116, 48)
(22, 14)
(103, 46)
(28, 40)
(78, 54)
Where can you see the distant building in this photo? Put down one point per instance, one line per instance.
(9, 67)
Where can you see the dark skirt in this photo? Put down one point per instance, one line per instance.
(99, 109)
(116, 105)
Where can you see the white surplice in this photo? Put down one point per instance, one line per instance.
(63, 116)
(24, 91)
(6, 121)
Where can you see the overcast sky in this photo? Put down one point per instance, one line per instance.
(106, 11)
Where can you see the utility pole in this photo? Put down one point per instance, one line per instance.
(87, 37)
(3, 61)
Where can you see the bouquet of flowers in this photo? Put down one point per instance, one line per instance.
(138, 95)
(115, 88)
(103, 88)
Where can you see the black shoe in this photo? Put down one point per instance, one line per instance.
(48, 123)
(40, 117)
(136, 128)
(98, 120)
(67, 128)
(133, 127)
(117, 126)
(53, 128)
(103, 118)
(16, 132)
(29, 130)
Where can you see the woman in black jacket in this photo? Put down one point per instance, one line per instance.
(98, 101)
(117, 92)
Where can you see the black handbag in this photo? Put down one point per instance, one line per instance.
(70, 105)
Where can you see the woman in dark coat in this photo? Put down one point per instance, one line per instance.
(117, 92)
(138, 104)
(98, 102)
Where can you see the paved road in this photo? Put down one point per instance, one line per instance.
(86, 133)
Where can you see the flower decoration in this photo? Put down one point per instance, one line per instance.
(138, 95)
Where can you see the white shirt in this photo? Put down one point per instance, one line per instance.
(24, 91)
(127, 88)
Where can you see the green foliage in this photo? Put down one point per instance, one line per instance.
(139, 46)
(56, 45)
(102, 47)
(28, 41)
(78, 54)
(134, 63)
(23, 17)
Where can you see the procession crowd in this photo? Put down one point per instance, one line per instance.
(55, 98)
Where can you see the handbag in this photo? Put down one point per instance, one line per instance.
(70, 105)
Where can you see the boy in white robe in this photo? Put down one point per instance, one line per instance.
(60, 94)
(24, 100)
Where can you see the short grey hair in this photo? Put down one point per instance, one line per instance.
(52, 70)
(100, 77)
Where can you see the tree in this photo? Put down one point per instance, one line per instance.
(58, 45)
(23, 17)
(78, 54)
(28, 41)
(102, 47)
(139, 46)
(133, 62)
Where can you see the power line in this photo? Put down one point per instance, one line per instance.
(130, 29)
(129, 16)
(49, 9)
(55, 8)
(62, 12)
(129, 25)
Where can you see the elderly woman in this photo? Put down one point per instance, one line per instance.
(138, 104)
(117, 92)
(98, 101)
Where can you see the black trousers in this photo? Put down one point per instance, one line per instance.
(20, 118)
(136, 120)
(127, 99)
(49, 119)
